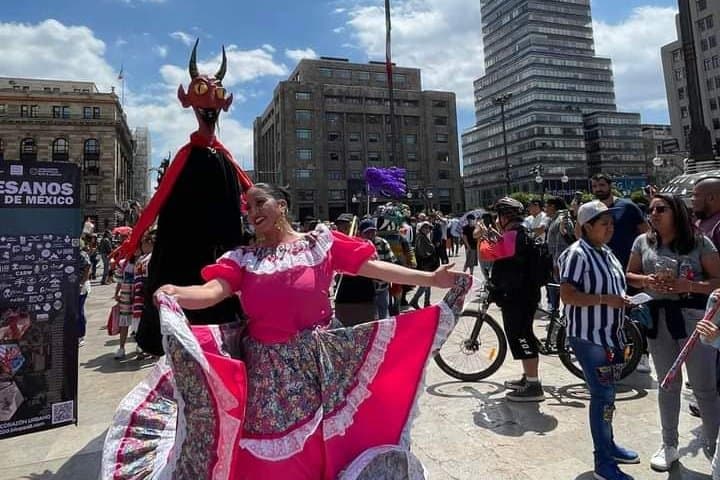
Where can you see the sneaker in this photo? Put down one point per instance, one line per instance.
(610, 472)
(664, 458)
(644, 365)
(516, 384)
(120, 354)
(530, 392)
(81, 341)
(625, 455)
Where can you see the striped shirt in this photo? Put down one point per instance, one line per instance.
(594, 271)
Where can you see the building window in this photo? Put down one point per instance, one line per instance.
(362, 75)
(91, 193)
(354, 118)
(716, 123)
(325, 72)
(60, 150)
(709, 22)
(412, 175)
(681, 93)
(373, 137)
(28, 149)
(356, 174)
(442, 157)
(373, 157)
(334, 195)
(411, 121)
(717, 82)
(303, 96)
(303, 115)
(306, 195)
(713, 104)
(353, 100)
(96, 112)
(440, 121)
(303, 134)
(34, 111)
(354, 136)
(439, 104)
(333, 99)
(87, 112)
(332, 117)
(373, 119)
(3, 108)
(441, 137)
(410, 139)
(344, 74)
(703, 45)
(335, 175)
(303, 173)
(701, 5)
(710, 84)
(676, 55)
(24, 110)
(303, 154)
(399, 78)
(334, 156)
(683, 112)
(354, 157)
(65, 112)
(334, 136)
(91, 157)
(410, 103)
(444, 174)
(678, 74)
(380, 77)
(412, 157)
(712, 41)
(57, 111)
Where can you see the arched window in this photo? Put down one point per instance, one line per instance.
(28, 150)
(2, 150)
(60, 150)
(91, 157)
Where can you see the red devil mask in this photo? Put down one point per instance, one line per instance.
(206, 94)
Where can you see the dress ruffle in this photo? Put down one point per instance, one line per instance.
(217, 412)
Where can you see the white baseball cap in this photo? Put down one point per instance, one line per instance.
(591, 210)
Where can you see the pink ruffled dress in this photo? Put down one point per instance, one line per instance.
(286, 396)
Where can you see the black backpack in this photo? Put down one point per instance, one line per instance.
(541, 263)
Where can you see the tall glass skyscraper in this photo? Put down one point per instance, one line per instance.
(540, 54)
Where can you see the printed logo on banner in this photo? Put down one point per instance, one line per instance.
(16, 170)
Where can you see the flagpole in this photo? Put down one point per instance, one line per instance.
(391, 93)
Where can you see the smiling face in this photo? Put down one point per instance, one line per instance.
(264, 210)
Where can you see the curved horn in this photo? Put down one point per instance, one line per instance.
(193, 61)
(223, 67)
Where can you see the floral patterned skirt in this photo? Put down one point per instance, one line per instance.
(328, 404)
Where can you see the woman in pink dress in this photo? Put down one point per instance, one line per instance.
(288, 396)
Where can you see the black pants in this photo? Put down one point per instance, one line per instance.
(518, 323)
(441, 252)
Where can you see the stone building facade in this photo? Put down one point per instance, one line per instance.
(68, 121)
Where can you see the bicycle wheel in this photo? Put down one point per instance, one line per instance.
(633, 350)
(566, 354)
(469, 359)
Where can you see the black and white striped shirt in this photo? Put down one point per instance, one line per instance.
(594, 271)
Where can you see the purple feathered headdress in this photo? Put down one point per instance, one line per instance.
(388, 182)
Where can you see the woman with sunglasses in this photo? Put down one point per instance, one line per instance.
(678, 267)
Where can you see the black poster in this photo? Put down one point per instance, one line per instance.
(40, 222)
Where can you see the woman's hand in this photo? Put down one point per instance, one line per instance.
(167, 289)
(443, 277)
(708, 330)
(675, 285)
(651, 282)
(615, 301)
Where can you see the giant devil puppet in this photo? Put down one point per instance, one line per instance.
(197, 206)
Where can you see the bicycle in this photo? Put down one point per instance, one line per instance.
(477, 346)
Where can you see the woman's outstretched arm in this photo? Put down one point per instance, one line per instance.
(388, 272)
(197, 297)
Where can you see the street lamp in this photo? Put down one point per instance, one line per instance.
(501, 101)
(538, 171)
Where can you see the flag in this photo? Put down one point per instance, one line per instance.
(120, 75)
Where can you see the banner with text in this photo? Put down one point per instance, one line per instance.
(40, 222)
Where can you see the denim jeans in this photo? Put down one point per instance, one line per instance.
(602, 368)
(382, 303)
(82, 322)
(106, 267)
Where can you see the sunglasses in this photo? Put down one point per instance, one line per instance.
(658, 209)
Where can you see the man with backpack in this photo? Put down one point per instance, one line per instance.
(514, 285)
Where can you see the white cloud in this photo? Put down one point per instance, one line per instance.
(299, 54)
(634, 47)
(442, 37)
(160, 50)
(268, 47)
(338, 30)
(120, 42)
(185, 38)
(55, 51)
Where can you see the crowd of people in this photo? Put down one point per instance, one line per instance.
(603, 252)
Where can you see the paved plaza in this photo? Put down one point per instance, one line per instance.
(464, 431)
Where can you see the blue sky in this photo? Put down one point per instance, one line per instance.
(90, 40)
